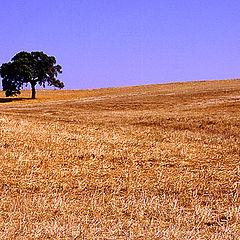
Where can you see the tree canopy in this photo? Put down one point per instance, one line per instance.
(33, 68)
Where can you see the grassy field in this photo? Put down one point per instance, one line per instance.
(144, 162)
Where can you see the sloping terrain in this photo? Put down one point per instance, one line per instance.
(144, 162)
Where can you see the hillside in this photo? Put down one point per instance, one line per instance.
(144, 162)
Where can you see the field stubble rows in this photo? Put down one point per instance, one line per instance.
(148, 162)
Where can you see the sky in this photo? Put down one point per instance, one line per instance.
(115, 43)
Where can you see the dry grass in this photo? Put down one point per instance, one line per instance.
(147, 162)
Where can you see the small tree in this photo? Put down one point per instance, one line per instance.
(33, 68)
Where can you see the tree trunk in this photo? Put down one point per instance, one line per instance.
(33, 90)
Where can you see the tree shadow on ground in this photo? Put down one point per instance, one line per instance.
(12, 99)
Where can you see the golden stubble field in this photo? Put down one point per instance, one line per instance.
(145, 162)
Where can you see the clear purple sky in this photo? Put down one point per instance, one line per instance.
(111, 43)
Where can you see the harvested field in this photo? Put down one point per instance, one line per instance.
(145, 162)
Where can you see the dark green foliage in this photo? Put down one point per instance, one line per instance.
(33, 68)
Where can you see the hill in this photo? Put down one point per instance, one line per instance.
(144, 162)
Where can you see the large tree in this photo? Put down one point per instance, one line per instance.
(33, 68)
